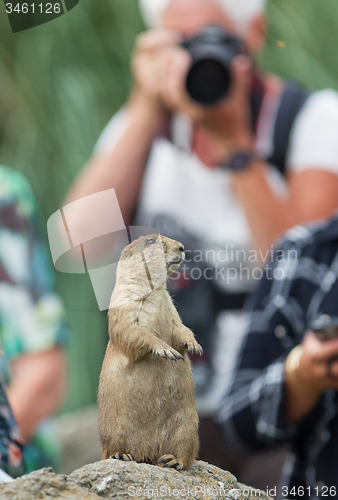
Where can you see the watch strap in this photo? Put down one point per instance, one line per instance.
(239, 161)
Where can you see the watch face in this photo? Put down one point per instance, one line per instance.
(240, 161)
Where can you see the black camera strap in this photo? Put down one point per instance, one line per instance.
(257, 94)
(292, 100)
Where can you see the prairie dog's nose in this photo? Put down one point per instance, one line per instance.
(181, 247)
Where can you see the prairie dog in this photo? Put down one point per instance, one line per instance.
(146, 397)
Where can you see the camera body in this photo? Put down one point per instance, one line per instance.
(212, 51)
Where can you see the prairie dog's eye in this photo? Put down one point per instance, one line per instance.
(150, 241)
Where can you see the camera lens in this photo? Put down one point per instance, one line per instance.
(212, 52)
(208, 81)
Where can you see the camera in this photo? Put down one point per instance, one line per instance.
(212, 51)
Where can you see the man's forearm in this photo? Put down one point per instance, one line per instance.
(299, 403)
(269, 214)
(301, 397)
(37, 389)
(257, 420)
(122, 169)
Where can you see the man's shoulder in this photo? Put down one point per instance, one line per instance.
(319, 111)
(325, 95)
(15, 190)
(13, 183)
(321, 103)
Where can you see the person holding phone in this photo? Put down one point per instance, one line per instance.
(285, 386)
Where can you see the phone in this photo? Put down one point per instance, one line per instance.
(325, 327)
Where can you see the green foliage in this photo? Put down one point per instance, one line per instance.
(309, 30)
(61, 82)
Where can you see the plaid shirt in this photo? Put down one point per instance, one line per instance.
(300, 284)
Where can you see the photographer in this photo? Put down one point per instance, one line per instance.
(285, 386)
(232, 174)
(160, 66)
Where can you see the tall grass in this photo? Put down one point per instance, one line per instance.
(61, 82)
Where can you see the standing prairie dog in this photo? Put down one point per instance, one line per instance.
(146, 398)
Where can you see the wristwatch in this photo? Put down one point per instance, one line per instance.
(239, 161)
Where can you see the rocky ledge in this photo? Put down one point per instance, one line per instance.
(122, 480)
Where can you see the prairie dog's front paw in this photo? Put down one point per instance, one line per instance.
(193, 347)
(167, 352)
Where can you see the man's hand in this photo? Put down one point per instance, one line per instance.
(314, 363)
(310, 377)
(151, 53)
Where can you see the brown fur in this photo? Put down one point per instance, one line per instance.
(146, 393)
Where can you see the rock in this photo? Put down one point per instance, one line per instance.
(44, 484)
(78, 435)
(112, 479)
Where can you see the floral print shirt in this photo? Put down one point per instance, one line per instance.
(11, 459)
(32, 318)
